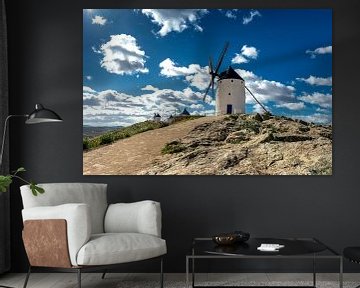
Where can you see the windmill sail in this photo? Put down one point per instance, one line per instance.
(215, 73)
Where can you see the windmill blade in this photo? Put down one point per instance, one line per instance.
(211, 70)
(214, 73)
(262, 106)
(211, 84)
(221, 58)
(212, 88)
(207, 90)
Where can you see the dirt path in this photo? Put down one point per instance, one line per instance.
(130, 155)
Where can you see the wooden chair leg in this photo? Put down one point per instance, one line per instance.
(79, 277)
(27, 277)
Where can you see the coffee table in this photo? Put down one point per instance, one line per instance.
(294, 248)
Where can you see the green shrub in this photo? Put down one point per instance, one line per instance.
(251, 125)
(126, 132)
(173, 147)
(86, 143)
(106, 139)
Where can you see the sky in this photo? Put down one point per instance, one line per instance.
(145, 61)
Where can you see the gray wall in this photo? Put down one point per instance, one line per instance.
(45, 49)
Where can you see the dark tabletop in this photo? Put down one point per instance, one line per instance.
(292, 247)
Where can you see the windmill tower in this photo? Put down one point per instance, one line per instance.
(230, 94)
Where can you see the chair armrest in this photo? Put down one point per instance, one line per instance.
(138, 217)
(78, 223)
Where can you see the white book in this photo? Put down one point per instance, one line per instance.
(270, 247)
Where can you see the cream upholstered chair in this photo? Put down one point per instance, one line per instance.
(72, 228)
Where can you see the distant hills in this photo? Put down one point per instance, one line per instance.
(92, 131)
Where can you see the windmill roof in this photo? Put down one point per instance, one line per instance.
(185, 112)
(230, 73)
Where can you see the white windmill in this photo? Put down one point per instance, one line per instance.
(230, 94)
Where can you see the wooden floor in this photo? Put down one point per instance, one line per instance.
(116, 280)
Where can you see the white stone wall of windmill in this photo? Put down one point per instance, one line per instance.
(230, 92)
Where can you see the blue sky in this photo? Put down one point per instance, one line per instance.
(138, 62)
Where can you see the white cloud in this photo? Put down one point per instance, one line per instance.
(122, 55)
(88, 89)
(93, 48)
(175, 19)
(323, 100)
(149, 88)
(250, 52)
(322, 110)
(230, 14)
(88, 77)
(315, 118)
(194, 74)
(258, 109)
(196, 106)
(169, 68)
(319, 81)
(266, 90)
(200, 79)
(319, 51)
(99, 20)
(238, 59)
(248, 19)
(113, 108)
(246, 53)
(292, 105)
(91, 101)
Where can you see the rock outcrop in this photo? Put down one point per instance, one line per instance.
(249, 145)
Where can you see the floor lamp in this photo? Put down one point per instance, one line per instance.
(39, 115)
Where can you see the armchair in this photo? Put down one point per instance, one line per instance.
(71, 228)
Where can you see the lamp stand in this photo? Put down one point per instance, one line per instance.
(4, 135)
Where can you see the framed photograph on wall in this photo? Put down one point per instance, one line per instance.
(207, 91)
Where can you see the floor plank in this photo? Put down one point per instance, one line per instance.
(115, 280)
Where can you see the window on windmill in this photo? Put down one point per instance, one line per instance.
(229, 93)
(232, 80)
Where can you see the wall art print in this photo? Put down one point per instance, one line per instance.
(207, 92)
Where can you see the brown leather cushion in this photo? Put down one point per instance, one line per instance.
(46, 243)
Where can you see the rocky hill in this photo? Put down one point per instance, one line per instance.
(248, 145)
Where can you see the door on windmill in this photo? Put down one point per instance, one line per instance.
(229, 109)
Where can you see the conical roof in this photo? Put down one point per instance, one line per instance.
(230, 73)
(185, 112)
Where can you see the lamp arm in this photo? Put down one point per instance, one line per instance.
(4, 134)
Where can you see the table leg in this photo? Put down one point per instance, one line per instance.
(314, 271)
(187, 272)
(341, 273)
(193, 272)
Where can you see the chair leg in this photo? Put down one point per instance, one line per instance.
(79, 277)
(103, 275)
(161, 273)
(27, 277)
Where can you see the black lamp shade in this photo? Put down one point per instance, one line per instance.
(42, 115)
